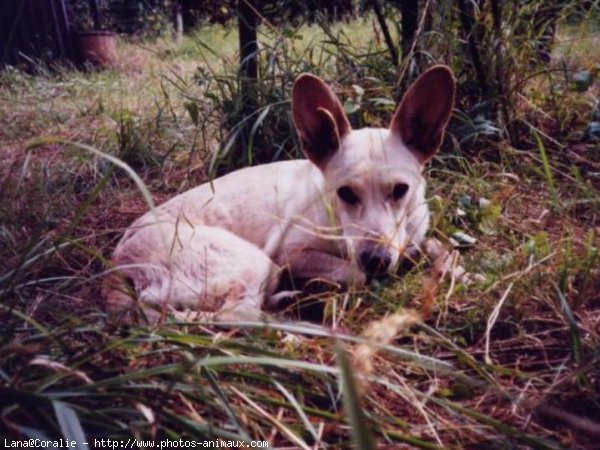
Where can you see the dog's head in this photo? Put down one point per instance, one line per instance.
(373, 175)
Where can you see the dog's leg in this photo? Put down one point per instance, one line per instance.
(200, 269)
(308, 264)
(446, 262)
(443, 260)
(310, 271)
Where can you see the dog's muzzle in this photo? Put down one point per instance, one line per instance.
(375, 260)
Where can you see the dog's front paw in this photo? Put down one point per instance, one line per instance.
(447, 263)
(470, 278)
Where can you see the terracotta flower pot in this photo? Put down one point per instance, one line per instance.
(98, 47)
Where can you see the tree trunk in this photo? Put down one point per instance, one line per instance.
(465, 13)
(376, 5)
(410, 23)
(178, 20)
(95, 14)
(247, 24)
(503, 95)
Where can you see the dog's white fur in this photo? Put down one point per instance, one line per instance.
(219, 247)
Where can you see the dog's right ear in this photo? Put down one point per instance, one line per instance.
(319, 118)
(423, 114)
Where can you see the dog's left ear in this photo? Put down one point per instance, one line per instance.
(423, 114)
(319, 118)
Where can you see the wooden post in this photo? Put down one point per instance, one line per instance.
(247, 25)
(503, 92)
(377, 8)
(465, 14)
(95, 14)
(409, 9)
(178, 20)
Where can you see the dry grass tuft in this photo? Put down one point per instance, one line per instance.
(379, 333)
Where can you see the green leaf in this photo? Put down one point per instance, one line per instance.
(547, 167)
(574, 335)
(463, 239)
(593, 130)
(359, 90)
(192, 109)
(582, 80)
(350, 107)
(381, 101)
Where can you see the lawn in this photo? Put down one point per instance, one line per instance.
(510, 361)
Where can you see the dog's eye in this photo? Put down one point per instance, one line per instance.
(347, 195)
(399, 191)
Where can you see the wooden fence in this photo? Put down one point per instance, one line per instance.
(35, 30)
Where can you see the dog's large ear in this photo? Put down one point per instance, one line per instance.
(423, 114)
(319, 118)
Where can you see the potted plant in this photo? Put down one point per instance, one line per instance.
(96, 45)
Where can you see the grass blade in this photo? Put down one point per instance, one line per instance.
(70, 425)
(547, 168)
(574, 335)
(361, 433)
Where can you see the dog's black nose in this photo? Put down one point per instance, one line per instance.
(375, 261)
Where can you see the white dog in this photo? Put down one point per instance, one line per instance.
(353, 208)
